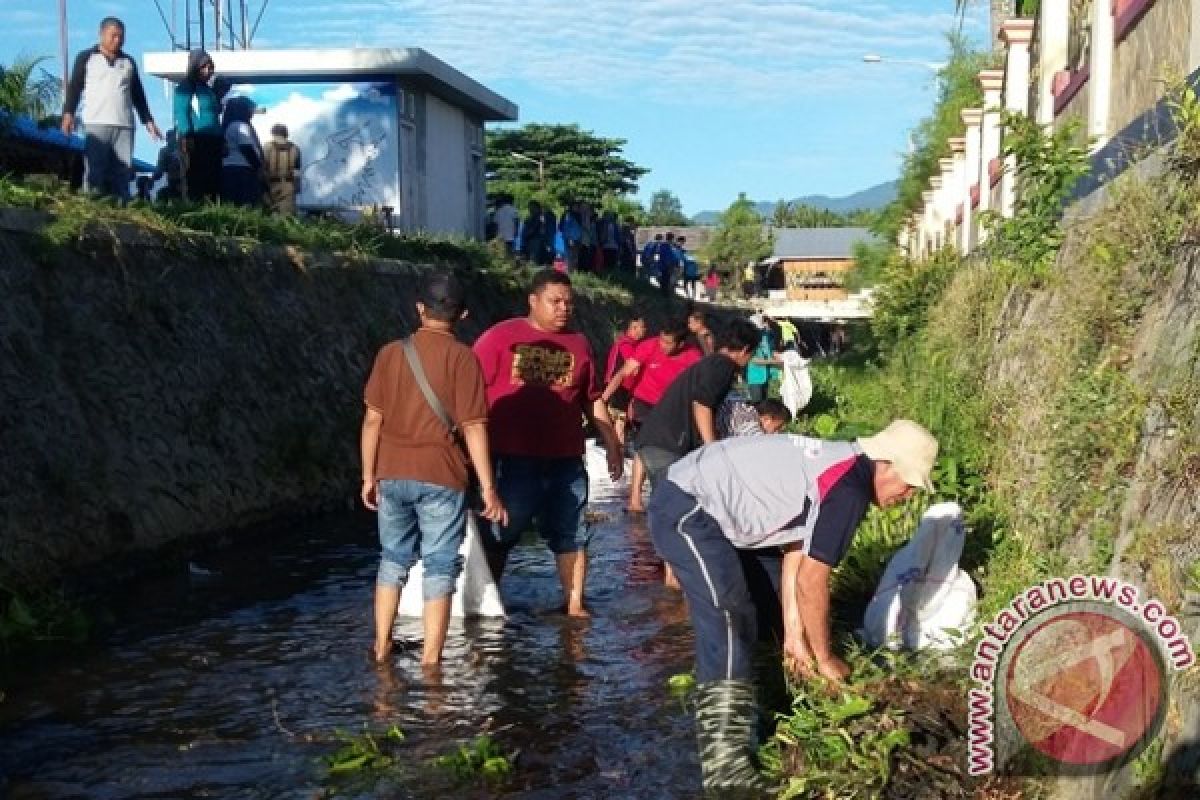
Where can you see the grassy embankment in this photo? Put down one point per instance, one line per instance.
(1032, 367)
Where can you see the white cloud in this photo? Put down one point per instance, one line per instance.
(740, 51)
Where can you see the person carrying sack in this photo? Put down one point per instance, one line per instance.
(283, 171)
(422, 393)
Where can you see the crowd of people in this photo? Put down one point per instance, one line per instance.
(584, 241)
(749, 521)
(212, 152)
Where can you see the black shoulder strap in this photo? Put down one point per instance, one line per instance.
(414, 363)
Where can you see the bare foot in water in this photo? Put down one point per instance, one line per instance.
(382, 655)
(578, 613)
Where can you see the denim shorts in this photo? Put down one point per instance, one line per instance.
(419, 520)
(552, 491)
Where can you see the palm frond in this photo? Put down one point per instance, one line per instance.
(27, 89)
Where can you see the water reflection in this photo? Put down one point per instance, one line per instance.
(234, 688)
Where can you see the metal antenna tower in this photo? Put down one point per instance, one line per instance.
(233, 23)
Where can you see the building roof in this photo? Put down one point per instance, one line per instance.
(410, 64)
(830, 243)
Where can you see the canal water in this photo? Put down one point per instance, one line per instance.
(232, 680)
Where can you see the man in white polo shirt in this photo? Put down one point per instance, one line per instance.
(107, 78)
(806, 496)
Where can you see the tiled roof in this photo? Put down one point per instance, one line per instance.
(820, 242)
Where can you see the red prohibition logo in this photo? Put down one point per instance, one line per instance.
(1084, 688)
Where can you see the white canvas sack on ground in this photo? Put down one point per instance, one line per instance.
(795, 387)
(476, 594)
(924, 600)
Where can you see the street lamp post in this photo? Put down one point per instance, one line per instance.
(540, 165)
(875, 58)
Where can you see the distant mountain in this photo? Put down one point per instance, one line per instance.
(873, 197)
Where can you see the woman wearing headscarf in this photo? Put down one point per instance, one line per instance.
(242, 170)
(197, 112)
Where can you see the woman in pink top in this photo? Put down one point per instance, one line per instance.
(655, 365)
(621, 352)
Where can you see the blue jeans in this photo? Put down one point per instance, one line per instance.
(554, 491)
(419, 520)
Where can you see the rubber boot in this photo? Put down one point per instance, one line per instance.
(725, 731)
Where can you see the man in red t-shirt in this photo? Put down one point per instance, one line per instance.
(655, 365)
(621, 352)
(540, 380)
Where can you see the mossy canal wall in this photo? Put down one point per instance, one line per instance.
(154, 391)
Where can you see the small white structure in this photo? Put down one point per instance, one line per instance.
(378, 128)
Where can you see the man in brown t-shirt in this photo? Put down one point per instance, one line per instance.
(414, 472)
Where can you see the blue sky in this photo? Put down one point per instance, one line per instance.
(716, 97)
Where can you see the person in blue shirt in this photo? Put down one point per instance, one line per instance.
(691, 269)
(649, 265)
(668, 262)
(758, 371)
(197, 108)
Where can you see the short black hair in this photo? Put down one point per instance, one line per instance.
(548, 277)
(741, 334)
(635, 316)
(676, 327)
(443, 296)
(279, 129)
(111, 22)
(772, 407)
(700, 314)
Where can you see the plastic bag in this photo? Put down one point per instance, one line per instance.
(795, 387)
(475, 595)
(924, 600)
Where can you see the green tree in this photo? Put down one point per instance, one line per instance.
(740, 236)
(28, 90)
(626, 207)
(558, 164)
(801, 215)
(666, 210)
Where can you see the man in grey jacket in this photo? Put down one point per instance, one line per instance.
(107, 78)
(803, 495)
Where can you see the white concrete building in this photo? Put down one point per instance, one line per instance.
(379, 128)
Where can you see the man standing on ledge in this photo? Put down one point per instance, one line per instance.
(541, 382)
(805, 495)
(109, 79)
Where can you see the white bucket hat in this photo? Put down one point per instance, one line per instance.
(908, 447)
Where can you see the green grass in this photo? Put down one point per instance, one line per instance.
(74, 212)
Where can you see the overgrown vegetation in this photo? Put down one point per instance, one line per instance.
(1049, 166)
(1044, 374)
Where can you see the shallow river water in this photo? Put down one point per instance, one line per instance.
(232, 684)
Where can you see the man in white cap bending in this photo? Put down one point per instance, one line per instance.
(806, 496)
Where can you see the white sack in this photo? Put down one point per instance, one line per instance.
(924, 600)
(476, 594)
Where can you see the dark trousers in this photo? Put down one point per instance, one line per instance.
(241, 186)
(667, 281)
(724, 618)
(204, 155)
